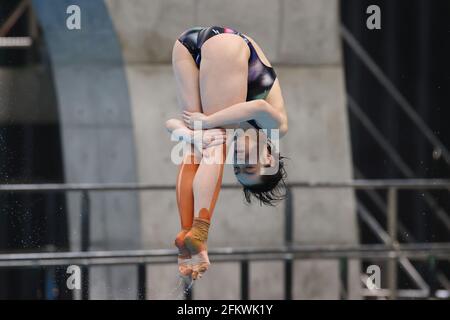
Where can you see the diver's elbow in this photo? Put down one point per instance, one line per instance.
(283, 129)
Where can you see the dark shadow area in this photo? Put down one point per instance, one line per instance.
(30, 152)
(412, 48)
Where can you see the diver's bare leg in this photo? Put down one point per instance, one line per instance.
(223, 82)
(188, 94)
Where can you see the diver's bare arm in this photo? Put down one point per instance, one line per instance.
(259, 110)
(202, 139)
(244, 111)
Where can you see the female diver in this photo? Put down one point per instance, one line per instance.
(224, 80)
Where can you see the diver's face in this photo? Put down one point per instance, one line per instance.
(250, 161)
(248, 175)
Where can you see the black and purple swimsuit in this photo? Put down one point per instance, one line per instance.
(260, 76)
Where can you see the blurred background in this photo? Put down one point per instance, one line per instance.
(84, 109)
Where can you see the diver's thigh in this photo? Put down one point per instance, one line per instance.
(223, 72)
(186, 78)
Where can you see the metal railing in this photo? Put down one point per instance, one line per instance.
(289, 253)
(392, 90)
(141, 258)
(7, 42)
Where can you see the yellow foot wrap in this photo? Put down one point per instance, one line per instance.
(195, 239)
(195, 242)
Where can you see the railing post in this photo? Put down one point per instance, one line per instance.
(188, 291)
(288, 240)
(432, 277)
(392, 230)
(245, 287)
(85, 241)
(142, 281)
(343, 273)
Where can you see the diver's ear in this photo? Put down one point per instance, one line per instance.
(274, 160)
(270, 160)
(272, 165)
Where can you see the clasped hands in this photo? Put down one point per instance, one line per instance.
(203, 136)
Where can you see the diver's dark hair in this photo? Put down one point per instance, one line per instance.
(271, 189)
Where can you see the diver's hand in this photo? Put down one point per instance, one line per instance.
(195, 118)
(213, 137)
(203, 139)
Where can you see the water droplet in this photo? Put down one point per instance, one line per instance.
(437, 153)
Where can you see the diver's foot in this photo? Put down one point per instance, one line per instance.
(195, 242)
(184, 256)
(200, 264)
